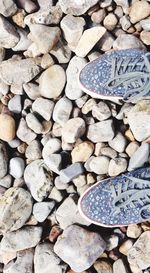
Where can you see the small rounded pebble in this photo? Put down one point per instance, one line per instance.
(73, 129)
(82, 151)
(7, 127)
(99, 165)
(117, 166)
(110, 21)
(16, 167)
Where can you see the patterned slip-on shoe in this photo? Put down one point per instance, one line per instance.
(118, 201)
(122, 75)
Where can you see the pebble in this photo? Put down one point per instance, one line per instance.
(52, 146)
(125, 22)
(76, 8)
(102, 131)
(47, 61)
(107, 151)
(38, 179)
(15, 209)
(145, 24)
(52, 82)
(8, 33)
(134, 231)
(32, 90)
(34, 123)
(119, 266)
(118, 143)
(138, 11)
(125, 247)
(81, 152)
(45, 260)
(75, 244)
(24, 41)
(145, 37)
(62, 110)
(140, 157)
(73, 129)
(24, 133)
(4, 88)
(28, 5)
(59, 184)
(7, 127)
(56, 195)
(8, 8)
(71, 172)
(138, 254)
(72, 89)
(99, 164)
(125, 41)
(88, 106)
(61, 52)
(68, 214)
(117, 166)
(16, 167)
(3, 160)
(33, 150)
(43, 107)
(112, 242)
(88, 40)
(103, 266)
(124, 4)
(98, 16)
(42, 209)
(6, 181)
(14, 104)
(101, 111)
(132, 148)
(18, 18)
(21, 239)
(53, 161)
(110, 21)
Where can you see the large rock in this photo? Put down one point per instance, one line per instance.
(101, 131)
(8, 34)
(7, 8)
(76, 7)
(3, 160)
(74, 247)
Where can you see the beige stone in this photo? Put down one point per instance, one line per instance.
(134, 231)
(7, 127)
(139, 10)
(82, 151)
(145, 37)
(125, 246)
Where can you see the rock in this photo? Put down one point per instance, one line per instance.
(145, 37)
(125, 41)
(42, 209)
(71, 172)
(118, 143)
(34, 123)
(76, 8)
(119, 266)
(125, 246)
(6, 181)
(21, 239)
(16, 167)
(4, 88)
(59, 184)
(99, 164)
(28, 5)
(53, 145)
(14, 104)
(117, 166)
(61, 52)
(68, 214)
(62, 110)
(24, 41)
(7, 8)
(138, 254)
(88, 40)
(138, 11)
(140, 157)
(45, 260)
(39, 179)
(132, 148)
(44, 37)
(52, 82)
(33, 151)
(145, 24)
(17, 72)
(72, 89)
(101, 111)
(88, 107)
(112, 242)
(43, 107)
(134, 231)
(47, 61)
(107, 151)
(23, 262)
(101, 131)
(98, 16)
(32, 51)
(54, 233)
(32, 90)
(3, 160)
(56, 195)
(73, 129)
(8, 34)
(106, 42)
(45, 4)
(7, 127)
(81, 152)
(24, 132)
(125, 22)
(103, 266)
(18, 18)
(110, 21)
(53, 161)
(124, 4)
(15, 209)
(138, 119)
(75, 244)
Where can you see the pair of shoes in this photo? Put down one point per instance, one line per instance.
(125, 199)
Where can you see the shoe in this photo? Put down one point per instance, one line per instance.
(118, 201)
(121, 74)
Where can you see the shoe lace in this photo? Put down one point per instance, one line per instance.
(124, 73)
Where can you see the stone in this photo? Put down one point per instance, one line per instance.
(21, 239)
(15, 209)
(117, 166)
(88, 40)
(34, 123)
(71, 172)
(53, 161)
(103, 266)
(112, 242)
(39, 179)
(99, 164)
(118, 143)
(140, 157)
(28, 5)
(32, 51)
(138, 119)
(16, 167)
(14, 104)
(76, 8)
(44, 37)
(18, 18)
(81, 152)
(45, 4)
(4, 88)
(3, 160)
(138, 254)
(138, 11)
(7, 127)
(81, 101)
(125, 41)
(132, 148)
(42, 209)
(134, 231)
(145, 37)
(52, 82)
(67, 214)
(101, 111)
(62, 111)
(102, 131)
(24, 41)
(73, 129)
(59, 184)
(107, 151)
(54, 233)
(145, 24)
(56, 195)
(6, 181)
(125, 246)
(119, 266)
(75, 244)
(45, 260)
(106, 42)
(124, 4)
(33, 150)
(32, 90)
(110, 21)
(98, 16)
(61, 52)
(8, 34)
(52, 146)
(24, 133)
(8, 8)
(125, 22)
(88, 106)
(43, 107)
(47, 61)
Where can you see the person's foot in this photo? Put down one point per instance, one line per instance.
(118, 201)
(121, 74)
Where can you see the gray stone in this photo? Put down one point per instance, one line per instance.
(106, 42)
(62, 111)
(4, 88)
(99, 164)
(28, 5)
(14, 104)
(112, 242)
(75, 244)
(118, 143)
(33, 151)
(14, 143)
(145, 24)
(71, 172)
(76, 8)
(34, 124)
(3, 160)
(116, 166)
(24, 132)
(32, 90)
(16, 167)
(24, 41)
(53, 161)
(73, 129)
(21, 239)
(53, 145)
(119, 266)
(6, 181)
(101, 111)
(109, 152)
(7, 8)
(8, 34)
(42, 209)
(61, 52)
(125, 41)
(125, 22)
(124, 4)
(140, 157)
(101, 131)
(59, 184)
(15, 209)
